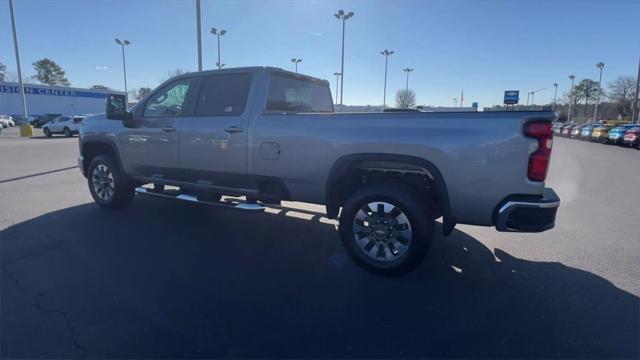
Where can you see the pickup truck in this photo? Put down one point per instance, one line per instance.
(267, 135)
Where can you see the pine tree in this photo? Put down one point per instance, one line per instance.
(50, 73)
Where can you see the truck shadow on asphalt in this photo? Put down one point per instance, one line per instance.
(162, 279)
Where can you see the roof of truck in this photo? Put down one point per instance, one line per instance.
(250, 69)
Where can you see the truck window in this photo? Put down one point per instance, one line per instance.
(223, 95)
(168, 101)
(289, 93)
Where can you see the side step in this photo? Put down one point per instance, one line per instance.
(191, 198)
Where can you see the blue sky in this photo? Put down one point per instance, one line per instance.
(483, 47)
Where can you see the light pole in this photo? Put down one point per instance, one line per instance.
(600, 66)
(407, 70)
(455, 102)
(337, 75)
(533, 94)
(26, 129)
(296, 61)
(555, 94)
(528, 94)
(220, 66)
(386, 54)
(199, 34)
(341, 15)
(218, 33)
(124, 43)
(572, 78)
(636, 105)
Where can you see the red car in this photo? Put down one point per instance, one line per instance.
(632, 137)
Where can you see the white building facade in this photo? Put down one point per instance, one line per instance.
(43, 99)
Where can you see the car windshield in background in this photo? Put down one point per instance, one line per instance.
(289, 93)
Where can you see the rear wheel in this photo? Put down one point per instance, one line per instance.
(67, 132)
(108, 187)
(386, 229)
(47, 132)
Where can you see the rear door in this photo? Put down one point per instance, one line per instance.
(213, 142)
(151, 148)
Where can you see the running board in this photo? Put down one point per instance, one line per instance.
(192, 198)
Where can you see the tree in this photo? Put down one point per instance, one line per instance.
(405, 99)
(622, 92)
(99, 87)
(142, 92)
(176, 72)
(50, 73)
(3, 69)
(587, 89)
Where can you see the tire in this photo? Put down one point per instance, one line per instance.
(67, 132)
(47, 132)
(404, 238)
(108, 186)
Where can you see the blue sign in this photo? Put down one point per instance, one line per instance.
(511, 97)
(38, 90)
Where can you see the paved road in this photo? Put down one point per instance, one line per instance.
(166, 279)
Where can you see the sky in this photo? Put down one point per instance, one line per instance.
(479, 47)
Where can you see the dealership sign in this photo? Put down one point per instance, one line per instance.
(44, 90)
(511, 97)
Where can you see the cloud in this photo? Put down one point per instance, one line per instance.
(317, 34)
(102, 67)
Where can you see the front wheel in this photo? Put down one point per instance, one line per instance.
(67, 132)
(386, 229)
(108, 186)
(47, 132)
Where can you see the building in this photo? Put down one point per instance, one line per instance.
(43, 99)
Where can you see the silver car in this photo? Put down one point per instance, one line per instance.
(66, 125)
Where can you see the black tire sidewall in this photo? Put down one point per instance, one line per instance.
(417, 213)
(123, 190)
(47, 132)
(67, 132)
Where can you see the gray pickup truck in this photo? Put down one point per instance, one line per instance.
(266, 135)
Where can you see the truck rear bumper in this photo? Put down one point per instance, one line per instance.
(520, 213)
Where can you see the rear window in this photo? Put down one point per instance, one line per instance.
(223, 95)
(289, 93)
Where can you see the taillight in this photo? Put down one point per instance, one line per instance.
(539, 159)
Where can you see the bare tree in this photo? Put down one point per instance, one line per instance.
(405, 99)
(622, 92)
(176, 72)
(586, 90)
(3, 69)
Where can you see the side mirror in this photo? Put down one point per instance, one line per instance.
(117, 108)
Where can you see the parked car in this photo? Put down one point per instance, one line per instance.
(67, 125)
(557, 127)
(601, 133)
(246, 132)
(576, 130)
(19, 119)
(585, 133)
(566, 130)
(6, 121)
(616, 135)
(632, 137)
(40, 120)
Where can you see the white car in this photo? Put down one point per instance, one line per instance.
(67, 125)
(6, 121)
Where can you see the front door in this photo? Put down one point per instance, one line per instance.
(151, 148)
(213, 142)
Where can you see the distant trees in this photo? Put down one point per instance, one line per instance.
(622, 92)
(405, 99)
(99, 87)
(50, 73)
(142, 92)
(3, 69)
(587, 89)
(176, 72)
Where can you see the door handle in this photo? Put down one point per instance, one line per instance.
(234, 129)
(169, 129)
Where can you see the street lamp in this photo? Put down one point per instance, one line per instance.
(555, 93)
(341, 15)
(407, 70)
(337, 75)
(296, 61)
(26, 129)
(218, 33)
(600, 66)
(636, 107)
(533, 93)
(572, 78)
(386, 54)
(124, 43)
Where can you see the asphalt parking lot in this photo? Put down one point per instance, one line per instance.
(176, 280)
